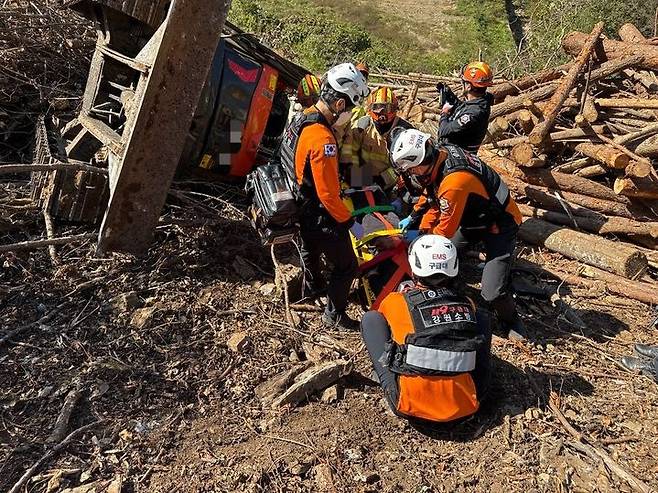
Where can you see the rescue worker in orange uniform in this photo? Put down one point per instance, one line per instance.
(309, 147)
(429, 347)
(464, 122)
(365, 145)
(468, 202)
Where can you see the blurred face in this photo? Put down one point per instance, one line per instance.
(382, 112)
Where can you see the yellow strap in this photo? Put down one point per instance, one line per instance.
(377, 234)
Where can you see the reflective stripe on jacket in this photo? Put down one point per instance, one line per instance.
(435, 341)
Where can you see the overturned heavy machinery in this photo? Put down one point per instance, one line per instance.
(164, 94)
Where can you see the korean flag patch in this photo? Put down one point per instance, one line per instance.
(330, 150)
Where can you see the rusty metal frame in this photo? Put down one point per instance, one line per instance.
(176, 61)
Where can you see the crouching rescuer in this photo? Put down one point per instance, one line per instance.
(468, 202)
(309, 148)
(429, 347)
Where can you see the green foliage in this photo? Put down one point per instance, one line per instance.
(481, 26)
(317, 39)
(318, 33)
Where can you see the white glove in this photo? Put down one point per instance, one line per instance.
(447, 108)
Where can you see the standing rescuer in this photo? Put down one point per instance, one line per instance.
(366, 143)
(429, 347)
(464, 123)
(468, 202)
(309, 147)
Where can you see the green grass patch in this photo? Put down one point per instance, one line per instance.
(327, 34)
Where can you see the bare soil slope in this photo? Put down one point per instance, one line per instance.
(146, 342)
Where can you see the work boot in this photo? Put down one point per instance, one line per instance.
(516, 331)
(645, 350)
(509, 320)
(647, 367)
(340, 321)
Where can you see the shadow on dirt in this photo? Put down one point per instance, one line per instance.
(512, 393)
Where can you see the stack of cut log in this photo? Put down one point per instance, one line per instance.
(578, 146)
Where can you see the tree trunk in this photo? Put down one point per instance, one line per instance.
(573, 165)
(549, 179)
(562, 135)
(522, 154)
(516, 103)
(590, 112)
(527, 121)
(616, 257)
(554, 106)
(650, 129)
(602, 225)
(579, 204)
(648, 147)
(591, 171)
(543, 92)
(640, 103)
(642, 188)
(496, 129)
(639, 169)
(512, 88)
(614, 284)
(607, 155)
(631, 34)
(573, 44)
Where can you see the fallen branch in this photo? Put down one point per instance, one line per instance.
(31, 245)
(46, 318)
(52, 452)
(313, 380)
(540, 132)
(595, 453)
(22, 168)
(62, 423)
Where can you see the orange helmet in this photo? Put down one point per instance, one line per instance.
(364, 68)
(382, 105)
(478, 74)
(308, 90)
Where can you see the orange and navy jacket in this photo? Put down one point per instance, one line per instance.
(316, 165)
(460, 199)
(443, 397)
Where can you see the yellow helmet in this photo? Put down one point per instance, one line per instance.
(382, 105)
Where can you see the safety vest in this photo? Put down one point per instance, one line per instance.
(308, 198)
(460, 160)
(434, 349)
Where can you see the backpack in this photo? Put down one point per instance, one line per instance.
(274, 210)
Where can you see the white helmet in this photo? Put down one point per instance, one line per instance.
(346, 79)
(409, 149)
(433, 254)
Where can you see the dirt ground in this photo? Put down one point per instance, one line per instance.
(145, 341)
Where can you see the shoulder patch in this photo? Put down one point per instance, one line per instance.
(444, 205)
(330, 150)
(464, 119)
